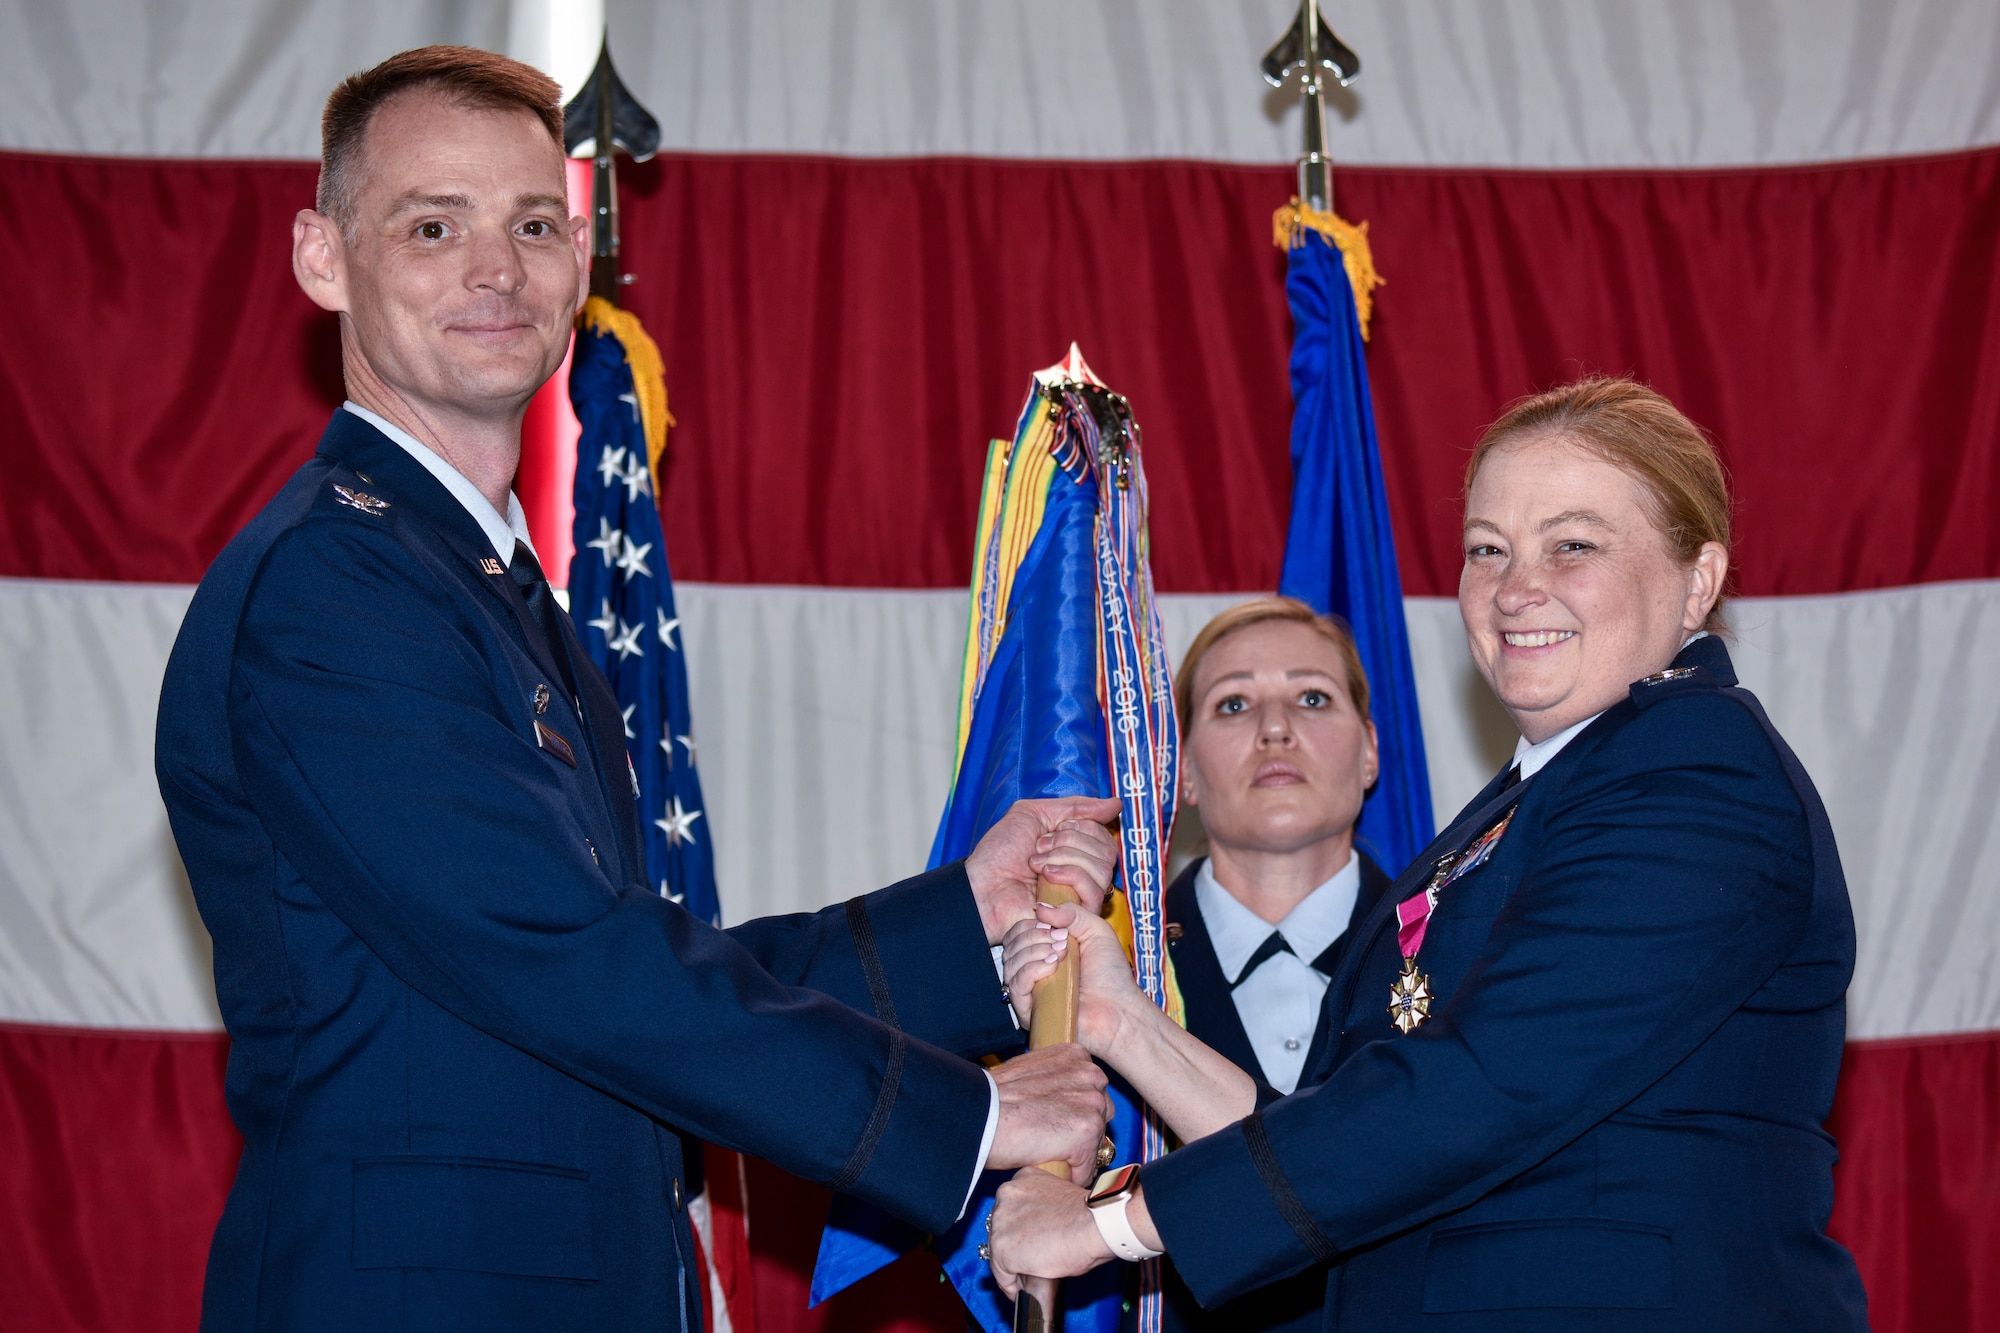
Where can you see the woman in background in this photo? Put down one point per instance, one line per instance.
(1277, 755)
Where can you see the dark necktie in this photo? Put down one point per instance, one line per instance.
(1273, 945)
(1512, 779)
(1276, 943)
(541, 600)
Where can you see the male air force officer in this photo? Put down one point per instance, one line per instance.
(464, 1029)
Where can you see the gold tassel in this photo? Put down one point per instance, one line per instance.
(649, 373)
(1288, 227)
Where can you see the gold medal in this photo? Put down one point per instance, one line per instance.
(1410, 998)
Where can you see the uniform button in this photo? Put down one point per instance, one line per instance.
(677, 1193)
(1291, 1043)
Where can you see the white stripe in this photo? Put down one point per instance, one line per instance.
(96, 925)
(825, 718)
(1484, 83)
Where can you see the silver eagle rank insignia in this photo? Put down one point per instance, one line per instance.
(368, 504)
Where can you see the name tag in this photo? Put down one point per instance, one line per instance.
(552, 741)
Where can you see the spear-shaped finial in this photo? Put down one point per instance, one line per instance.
(605, 115)
(1310, 44)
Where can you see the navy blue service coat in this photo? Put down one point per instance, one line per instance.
(1613, 1117)
(462, 1023)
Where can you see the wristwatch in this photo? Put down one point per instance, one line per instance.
(1109, 1198)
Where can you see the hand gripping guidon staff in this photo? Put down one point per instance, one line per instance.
(1051, 1022)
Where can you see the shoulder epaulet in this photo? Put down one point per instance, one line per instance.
(1673, 682)
(350, 491)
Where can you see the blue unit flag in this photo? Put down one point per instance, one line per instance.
(622, 598)
(1340, 555)
(1065, 691)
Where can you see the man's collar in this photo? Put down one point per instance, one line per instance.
(503, 532)
(1235, 931)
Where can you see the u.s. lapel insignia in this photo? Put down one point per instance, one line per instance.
(1410, 998)
(362, 500)
(491, 566)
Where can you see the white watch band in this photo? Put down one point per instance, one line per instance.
(1116, 1228)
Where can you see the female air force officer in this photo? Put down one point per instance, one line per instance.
(1277, 755)
(1584, 1048)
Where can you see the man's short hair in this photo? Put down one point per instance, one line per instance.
(467, 76)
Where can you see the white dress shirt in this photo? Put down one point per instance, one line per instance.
(503, 532)
(1532, 759)
(1279, 1003)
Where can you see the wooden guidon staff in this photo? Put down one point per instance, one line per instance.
(1051, 1021)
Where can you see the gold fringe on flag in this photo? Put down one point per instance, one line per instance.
(649, 373)
(1288, 227)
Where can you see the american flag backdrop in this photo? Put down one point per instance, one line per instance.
(622, 598)
(1781, 214)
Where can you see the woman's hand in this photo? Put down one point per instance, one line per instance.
(1042, 1228)
(1195, 1089)
(1106, 989)
(1029, 954)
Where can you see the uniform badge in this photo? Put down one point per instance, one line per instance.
(1410, 998)
(491, 566)
(1671, 673)
(541, 700)
(553, 742)
(362, 500)
(1410, 993)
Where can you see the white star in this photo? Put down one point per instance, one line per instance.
(670, 895)
(608, 541)
(632, 400)
(689, 742)
(633, 561)
(606, 623)
(667, 628)
(630, 734)
(610, 466)
(678, 824)
(626, 641)
(667, 744)
(638, 480)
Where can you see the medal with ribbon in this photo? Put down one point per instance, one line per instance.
(1410, 993)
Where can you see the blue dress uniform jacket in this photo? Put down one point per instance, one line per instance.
(463, 1027)
(1292, 1305)
(1613, 1116)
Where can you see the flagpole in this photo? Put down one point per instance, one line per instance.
(1051, 1022)
(605, 114)
(1311, 46)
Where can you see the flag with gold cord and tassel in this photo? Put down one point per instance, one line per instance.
(1066, 691)
(1340, 553)
(622, 597)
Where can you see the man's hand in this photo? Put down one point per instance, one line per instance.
(1063, 839)
(1042, 1228)
(1052, 1109)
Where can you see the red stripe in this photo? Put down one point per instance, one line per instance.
(115, 1154)
(842, 337)
(1917, 1194)
(116, 1151)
